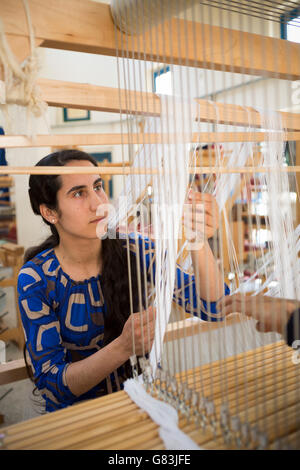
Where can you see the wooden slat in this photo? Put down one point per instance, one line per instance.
(85, 96)
(6, 182)
(97, 98)
(67, 170)
(223, 113)
(20, 46)
(261, 388)
(16, 370)
(185, 328)
(88, 27)
(69, 140)
(13, 371)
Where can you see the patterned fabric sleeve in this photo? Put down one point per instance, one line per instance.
(185, 294)
(43, 339)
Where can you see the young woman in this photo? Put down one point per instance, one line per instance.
(74, 289)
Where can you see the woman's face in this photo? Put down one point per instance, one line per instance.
(82, 204)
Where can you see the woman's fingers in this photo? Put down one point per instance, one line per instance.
(207, 200)
(262, 327)
(144, 329)
(201, 215)
(236, 303)
(199, 221)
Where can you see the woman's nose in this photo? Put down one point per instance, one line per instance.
(98, 198)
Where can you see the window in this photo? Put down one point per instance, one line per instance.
(71, 114)
(163, 81)
(290, 25)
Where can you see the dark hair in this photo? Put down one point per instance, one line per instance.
(43, 190)
(115, 282)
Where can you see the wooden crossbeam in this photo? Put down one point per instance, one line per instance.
(127, 170)
(65, 140)
(236, 115)
(16, 370)
(6, 182)
(88, 27)
(98, 98)
(13, 371)
(20, 46)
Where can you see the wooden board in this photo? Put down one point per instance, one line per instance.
(70, 140)
(98, 98)
(87, 26)
(261, 389)
(13, 371)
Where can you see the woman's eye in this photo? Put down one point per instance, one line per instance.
(98, 187)
(78, 194)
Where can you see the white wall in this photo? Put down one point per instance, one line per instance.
(30, 228)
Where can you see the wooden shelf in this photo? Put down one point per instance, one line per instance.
(11, 255)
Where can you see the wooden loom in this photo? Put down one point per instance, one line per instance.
(264, 381)
(115, 422)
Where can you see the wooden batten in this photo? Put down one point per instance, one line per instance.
(98, 98)
(16, 370)
(90, 28)
(71, 140)
(236, 115)
(128, 170)
(13, 371)
(6, 182)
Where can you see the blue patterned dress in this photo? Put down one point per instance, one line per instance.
(63, 322)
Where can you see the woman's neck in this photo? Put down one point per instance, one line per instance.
(80, 259)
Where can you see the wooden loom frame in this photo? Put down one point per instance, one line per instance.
(97, 35)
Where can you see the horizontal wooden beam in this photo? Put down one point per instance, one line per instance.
(65, 140)
(13, 371)
(184, 328)
(104, 170)
(20, 46)
(88, 27)
(98, 98)
(6, 182)
(231, 114)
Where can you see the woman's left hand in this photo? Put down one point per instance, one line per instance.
(201, 216)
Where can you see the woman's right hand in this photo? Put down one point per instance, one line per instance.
(143, 326)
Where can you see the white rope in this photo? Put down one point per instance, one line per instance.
(19, 86)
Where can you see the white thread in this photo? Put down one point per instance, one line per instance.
(162, 414)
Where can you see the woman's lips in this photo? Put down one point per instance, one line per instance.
(95, 221)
